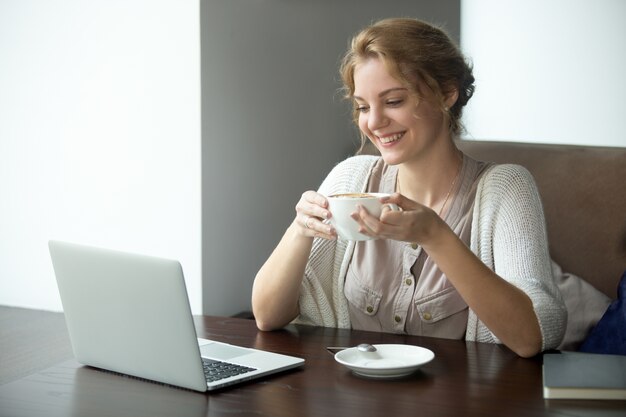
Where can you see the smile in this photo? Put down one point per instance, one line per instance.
(391, 138)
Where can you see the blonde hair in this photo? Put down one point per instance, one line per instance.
(414, 52)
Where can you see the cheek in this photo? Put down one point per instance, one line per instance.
(362, 122)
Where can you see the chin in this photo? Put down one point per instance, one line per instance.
(389, 154)
(391, 159)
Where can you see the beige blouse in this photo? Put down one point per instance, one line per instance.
(394, 286)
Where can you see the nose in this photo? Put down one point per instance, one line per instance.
(377, 119)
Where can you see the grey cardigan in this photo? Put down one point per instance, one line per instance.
(508, 235)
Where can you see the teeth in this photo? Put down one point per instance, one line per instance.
(392, 138)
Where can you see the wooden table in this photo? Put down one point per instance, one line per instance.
(465, 379)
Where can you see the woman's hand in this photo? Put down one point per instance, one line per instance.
(311, 215)
(414, 223)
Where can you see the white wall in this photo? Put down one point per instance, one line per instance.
(99, 136)
(549, 71)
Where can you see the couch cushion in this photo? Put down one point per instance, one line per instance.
(585, 306)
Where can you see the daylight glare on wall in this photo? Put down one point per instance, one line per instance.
(547, 71)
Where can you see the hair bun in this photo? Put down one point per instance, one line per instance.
(467, 87)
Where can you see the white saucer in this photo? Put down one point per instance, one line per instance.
(389, 361)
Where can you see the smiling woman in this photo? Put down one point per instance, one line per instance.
(392, 117)
(421, 57)
(466, 257)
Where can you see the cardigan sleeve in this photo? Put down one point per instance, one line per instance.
(321, 300)
(509, 236)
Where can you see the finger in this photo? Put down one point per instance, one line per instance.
(391, 216)
(372, 223)
(380, 228)
(325, 236)
(313, 204)
(387, 207)
(315, 198)
(316, 227)
(368, 224)
(305, 221)
(403, 203)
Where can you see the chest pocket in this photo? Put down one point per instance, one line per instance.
(362, 300)
(439, 306)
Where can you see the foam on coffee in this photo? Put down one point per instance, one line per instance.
(352, 195)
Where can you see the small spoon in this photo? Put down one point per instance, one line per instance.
(366, 347)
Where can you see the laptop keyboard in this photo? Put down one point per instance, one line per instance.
(216, 370)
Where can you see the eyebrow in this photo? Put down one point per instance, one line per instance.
(384, 93)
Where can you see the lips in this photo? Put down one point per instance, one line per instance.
(390, 138)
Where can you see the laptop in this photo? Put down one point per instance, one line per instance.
(130, 314)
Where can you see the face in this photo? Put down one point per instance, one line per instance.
(402, 126)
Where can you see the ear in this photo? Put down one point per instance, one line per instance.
(450, 97)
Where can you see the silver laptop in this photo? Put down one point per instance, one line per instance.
(130, 314)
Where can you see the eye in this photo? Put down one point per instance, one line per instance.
(395, 102)
(361, 109)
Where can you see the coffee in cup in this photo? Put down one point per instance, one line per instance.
(342, 205)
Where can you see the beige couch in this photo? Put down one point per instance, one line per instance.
(583, 190)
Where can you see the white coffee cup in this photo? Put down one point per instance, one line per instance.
(344, 204)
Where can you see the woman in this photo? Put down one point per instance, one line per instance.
(467, 255)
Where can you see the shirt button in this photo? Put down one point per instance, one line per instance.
(427, 316)
(414, 245)
(398, 319)
(369, 309)
(408, 281)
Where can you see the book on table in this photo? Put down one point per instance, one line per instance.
(591, 376)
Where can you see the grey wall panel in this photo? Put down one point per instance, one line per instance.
(273, 121)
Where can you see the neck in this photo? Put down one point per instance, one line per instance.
(431, 182)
